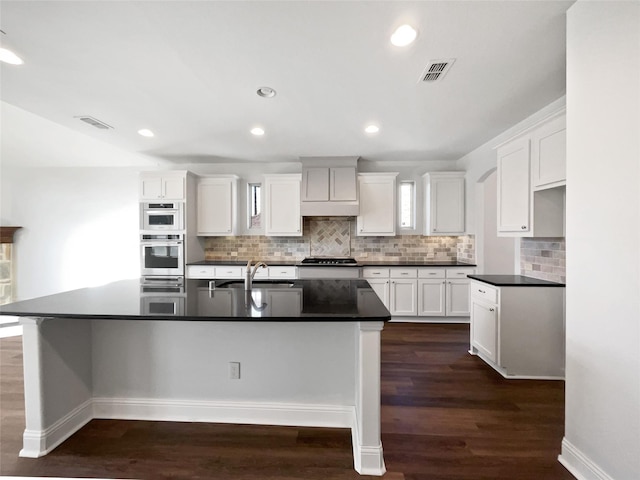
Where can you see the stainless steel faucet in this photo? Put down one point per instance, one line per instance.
(250, 274)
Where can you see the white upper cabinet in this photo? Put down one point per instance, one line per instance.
(444, 208)
(531, 180)
(282, 202)
(513, 187)
(549, 154)
(377, 204)
(217, 206)
(162, 185)
(342, 184)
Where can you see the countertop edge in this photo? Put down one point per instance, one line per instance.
(513, 282)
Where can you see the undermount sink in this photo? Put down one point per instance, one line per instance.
(257, 284)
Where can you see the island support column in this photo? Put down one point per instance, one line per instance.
(57, 381)
(367, 444)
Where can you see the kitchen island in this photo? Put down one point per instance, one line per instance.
(307, 353)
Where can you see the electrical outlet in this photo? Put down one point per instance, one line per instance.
(234, 370)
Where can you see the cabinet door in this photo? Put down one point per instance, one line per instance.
(447, 206)
(403, 297)
(282, 215)
(342, 184)
(173, 188)
(215, 207)
(513, 188)
(549, 154)
(458, 298)
(377, 206)
(151, 188)
(315, 184)
(215, 303)
(381, 287)
(431, 298)
(484, 329)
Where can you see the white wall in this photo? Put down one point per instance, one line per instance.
(602, 432)
(494, 254)
(80, 227)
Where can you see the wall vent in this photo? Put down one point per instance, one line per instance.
(436, 69)
(94, 122)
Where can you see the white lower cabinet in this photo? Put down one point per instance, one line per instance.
(381, 287)
(403, 298)
(422, 291)
(518, 330)
(431, 298)
(484, 329)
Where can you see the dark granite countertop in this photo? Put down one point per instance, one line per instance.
(424, 263)
(362, 262)
(243, 263)
(514, 281)
(290, 301)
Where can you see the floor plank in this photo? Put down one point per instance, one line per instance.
(446, 415)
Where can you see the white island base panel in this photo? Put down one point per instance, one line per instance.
(312, 374)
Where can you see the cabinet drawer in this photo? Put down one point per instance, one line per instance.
(282, 272)
(484, 292)
(460, 272)
(431, 273)
(404, 272)
(261, 273)
(375, 272)
(201, 271)
(229, 272)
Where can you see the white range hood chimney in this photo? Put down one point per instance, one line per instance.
(329, 186)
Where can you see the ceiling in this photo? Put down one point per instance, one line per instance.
(189, 71)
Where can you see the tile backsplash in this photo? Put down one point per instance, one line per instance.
(543, 258)
(336, 236)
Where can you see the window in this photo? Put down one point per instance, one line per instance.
(407, 205)
(254, 202)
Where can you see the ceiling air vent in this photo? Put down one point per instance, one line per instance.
(436, 69)
(94, 122)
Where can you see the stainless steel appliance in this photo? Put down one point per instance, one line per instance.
(162, 254)
(328, 267)
(162, 216)
(162, 296)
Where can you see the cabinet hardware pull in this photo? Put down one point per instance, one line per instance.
(491, 310)
(481, 291)
(524, 227)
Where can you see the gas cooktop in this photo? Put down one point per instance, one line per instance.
(338, 261)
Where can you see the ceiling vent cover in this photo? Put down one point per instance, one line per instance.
(436, 69)
(94, 122)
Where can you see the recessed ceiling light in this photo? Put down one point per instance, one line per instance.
(266, 92)
(403, 36)
(372, 129)
(145, 132)
(7, 56)
(257, 131)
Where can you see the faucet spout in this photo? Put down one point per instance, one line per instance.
(248, 279)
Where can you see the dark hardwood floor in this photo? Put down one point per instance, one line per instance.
(445, 416)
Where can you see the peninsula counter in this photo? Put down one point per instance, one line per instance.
(308, 353)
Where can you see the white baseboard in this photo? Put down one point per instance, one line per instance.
(223, 412)
(38, 443)
(366, 460)
(412, 319)
(578, 464)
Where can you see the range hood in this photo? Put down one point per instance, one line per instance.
(329, 186)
